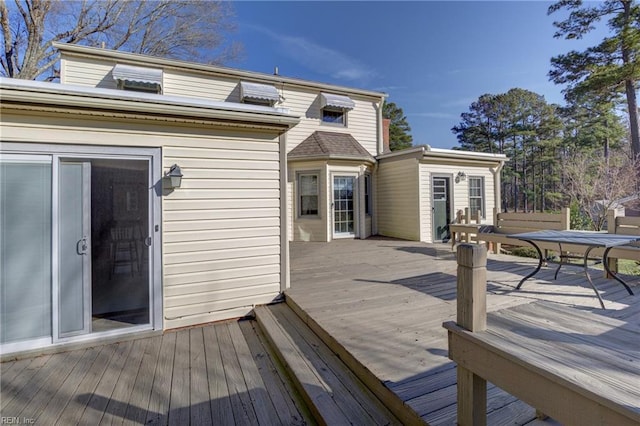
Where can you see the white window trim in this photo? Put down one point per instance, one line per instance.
(483, 195)
(344, 113)
(368, 191)
(299, 174)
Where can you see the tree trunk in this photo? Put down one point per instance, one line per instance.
(632, 104)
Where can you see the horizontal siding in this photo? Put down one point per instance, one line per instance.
(361, 121)
(460, 192)
(397, 199)
(221, 228)
(88, 72)
(303, 102)
(220, 231)
(180, 83)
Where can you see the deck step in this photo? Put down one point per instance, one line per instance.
(399, 408)
(332, 393)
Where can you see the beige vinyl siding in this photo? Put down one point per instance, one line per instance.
(82, 71)
(220, 231)
(459, 192)
(190, 85)
(361, 121)
(229, 203)
(300, 101)
(397, 198)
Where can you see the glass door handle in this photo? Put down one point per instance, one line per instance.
(147, 241)
(81, 246)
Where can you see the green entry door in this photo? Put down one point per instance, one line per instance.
(441, 202)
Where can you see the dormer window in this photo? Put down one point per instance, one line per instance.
(258, 94)
(335, 107)
(138, 79)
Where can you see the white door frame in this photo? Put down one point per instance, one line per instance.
(77, 152)
(356, 205)
(449, 201)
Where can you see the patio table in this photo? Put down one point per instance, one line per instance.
(589, 239)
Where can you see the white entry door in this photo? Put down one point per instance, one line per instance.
(344, 206)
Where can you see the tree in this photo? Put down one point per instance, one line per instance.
(180, 29)
(523, 126)
(399, 136)
(608, 69)
(592, 124)
(595, 183)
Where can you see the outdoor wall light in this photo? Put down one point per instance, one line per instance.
(461, 177)
(173, 178)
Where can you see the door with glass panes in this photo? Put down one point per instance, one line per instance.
(75, 240)
(441, 207)
(343, 202)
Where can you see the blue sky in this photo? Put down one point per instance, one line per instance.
(432, 58)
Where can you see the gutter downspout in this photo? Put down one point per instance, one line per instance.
(380, 142)
(497, 186)
(284, 217)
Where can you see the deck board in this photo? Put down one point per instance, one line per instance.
(200, 408)
(163, 376)
(118, 402)
(67, 389)
(263, 407)
(138, 405)
(73, 412)
(282, 400)
(99, 399)
(176, 378)
(218, 390)
(342, 287)
(243, 411)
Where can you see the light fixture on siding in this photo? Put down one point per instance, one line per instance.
(173, 178)
(461, 177)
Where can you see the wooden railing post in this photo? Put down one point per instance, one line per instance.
(612, 214)
(472, 315)
(565, 219)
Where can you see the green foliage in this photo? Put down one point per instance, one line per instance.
(609, 71)
(522, 125)
(399, 129)
(525, 252)
(578, 219)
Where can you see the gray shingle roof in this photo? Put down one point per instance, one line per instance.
(330, 145)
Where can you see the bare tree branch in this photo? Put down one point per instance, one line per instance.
(181, 29)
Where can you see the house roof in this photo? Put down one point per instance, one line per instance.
(425, 152)
(84, 100)
(330, 145)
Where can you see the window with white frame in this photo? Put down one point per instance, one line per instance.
(476, 194)
(334, 116)
(368, 205)
(308, 194)
(334, 108)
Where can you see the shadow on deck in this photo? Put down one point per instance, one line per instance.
(380, 304)
(376, 309)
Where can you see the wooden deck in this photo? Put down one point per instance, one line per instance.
(220, 374)
(380, 305)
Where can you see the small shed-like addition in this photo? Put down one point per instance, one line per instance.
(420, 189)
(95, 239)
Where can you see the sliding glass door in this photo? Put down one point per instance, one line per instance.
(77, 250)
(25, 248)
(74, 248)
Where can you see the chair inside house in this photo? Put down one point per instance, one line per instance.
(124, 250)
